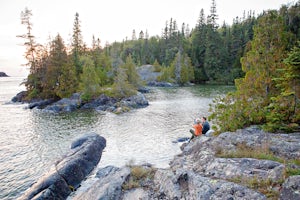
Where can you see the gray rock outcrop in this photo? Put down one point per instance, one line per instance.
(109, 184)
(65, 104)
(66, 175)
(20, 97)
(101, 103)
(291, 188)
(201, 172)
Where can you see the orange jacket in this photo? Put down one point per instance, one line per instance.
(198, 129)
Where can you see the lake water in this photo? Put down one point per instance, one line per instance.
(32, 140)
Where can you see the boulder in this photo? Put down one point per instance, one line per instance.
(66, 175)
(20, 97)
(101, 101)
(65, 104)
(137, 101)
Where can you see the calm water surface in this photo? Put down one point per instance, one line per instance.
(32, 140)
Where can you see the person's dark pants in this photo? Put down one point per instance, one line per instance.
(193, 134)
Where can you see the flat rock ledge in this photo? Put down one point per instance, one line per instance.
(66, 175)
(200, 173)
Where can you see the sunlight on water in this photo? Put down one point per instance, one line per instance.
(32, 140)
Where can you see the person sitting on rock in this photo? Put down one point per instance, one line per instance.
(205, 126)
(197, 131)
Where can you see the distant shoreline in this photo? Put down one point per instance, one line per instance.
(3, 74)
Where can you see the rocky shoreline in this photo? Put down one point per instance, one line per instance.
(201, 172)
(67, 174)
(209, 168)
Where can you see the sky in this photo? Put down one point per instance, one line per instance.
(110, 20)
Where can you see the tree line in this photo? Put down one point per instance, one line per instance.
(206, 53)
(260, 55)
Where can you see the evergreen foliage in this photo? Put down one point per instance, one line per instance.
(131, 72)
(121, 86)
(269, 92)
(89, 79)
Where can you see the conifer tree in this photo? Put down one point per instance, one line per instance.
(67, 81)
(284, 109)
(133, 37)
(198, 48)
(77, 44)
(32, 83)
(132, 75)
(249, 104)
(57, 58)
(213, 17)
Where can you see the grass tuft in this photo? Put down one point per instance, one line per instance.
(139, 176)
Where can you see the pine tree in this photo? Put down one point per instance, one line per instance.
(34, 55)
(77, 44)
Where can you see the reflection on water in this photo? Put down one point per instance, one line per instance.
(32, 140)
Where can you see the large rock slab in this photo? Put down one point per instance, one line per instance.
(108, 185)
(282, 145)
(66, 175)
(186, 184)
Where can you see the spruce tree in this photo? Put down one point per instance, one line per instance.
(77, 44)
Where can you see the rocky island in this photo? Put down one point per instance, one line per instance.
(3, 74)
(75, 102)
(246, 164)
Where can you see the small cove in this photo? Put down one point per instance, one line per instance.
(32, 140)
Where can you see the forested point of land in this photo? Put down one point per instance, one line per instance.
(259, 54)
